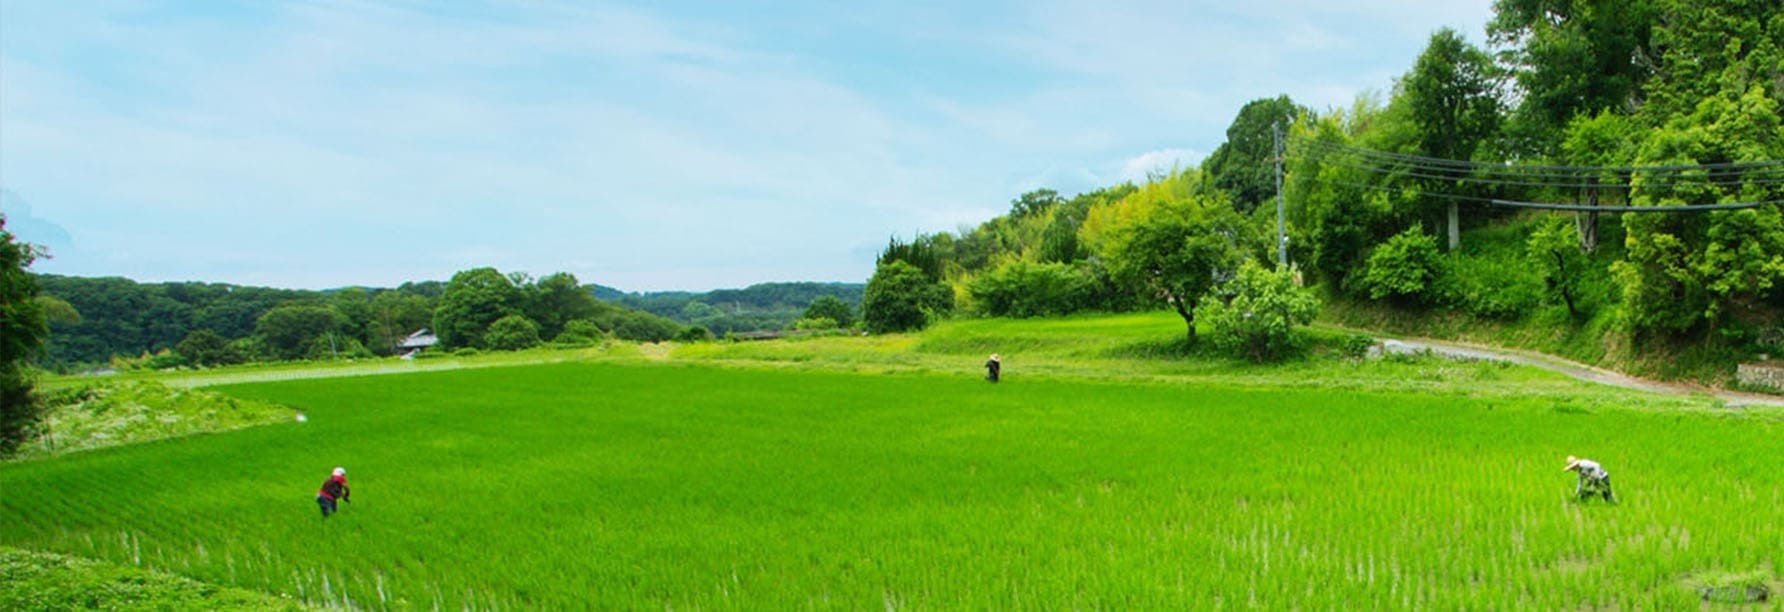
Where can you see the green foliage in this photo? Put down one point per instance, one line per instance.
(1035, 202)
(122, 317)
(814, 324)
(901, 297)
(205, 348)
(1027, 289)
(1244, 166)
(1402, 269)
(512, 333)
(23, 330)
(693, 333)
(920, 253)
(639, 326)
(1255, 315)
(44, 581)
(1573, 58)
(830, 307)
(1553, 250)
(762, 306)
(556, 299)
(1338, 211)
(580, 332)
(1498, 286)
(292, 330)
(1177, 248)
(473, 300)
(98, 415)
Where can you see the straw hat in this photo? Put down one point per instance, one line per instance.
(1572, 462)
(994, 357)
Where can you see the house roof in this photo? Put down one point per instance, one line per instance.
(422, 338)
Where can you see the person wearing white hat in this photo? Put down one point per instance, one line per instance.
(335, 488)
(1593, 478)
(993, 368)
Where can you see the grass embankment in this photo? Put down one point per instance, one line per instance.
(44, 581)
(882, 472)
(98, 414)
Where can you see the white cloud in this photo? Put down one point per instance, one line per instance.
(1139, 168)
(324, 144)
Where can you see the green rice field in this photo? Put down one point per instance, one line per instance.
(749, 477)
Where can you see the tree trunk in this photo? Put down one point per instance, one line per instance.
(1189, 318)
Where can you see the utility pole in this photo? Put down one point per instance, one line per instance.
(1281, 234)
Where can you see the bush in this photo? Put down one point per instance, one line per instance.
(814, 324)
(1257, 321)
(694, 333)
(1401, 269)
(512, 333)
(644, 327)
(1489, 287)
(900, 297)
(580, 332)
(1025, 289)
(832, 308)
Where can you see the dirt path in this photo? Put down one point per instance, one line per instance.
(1471, 352)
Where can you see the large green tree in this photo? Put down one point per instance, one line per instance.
(473, 300)
(292, 330)
(1178, 250)
(1245, 165)
(1572, 58)
(900, 297)
(23, 331)
(1453, 101)
(832, 308)
(555, 300)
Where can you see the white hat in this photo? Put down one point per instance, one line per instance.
(340, 471)
(1572, 462)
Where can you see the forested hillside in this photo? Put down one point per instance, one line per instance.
(758, 307)
(122, 323)
(1432, 207)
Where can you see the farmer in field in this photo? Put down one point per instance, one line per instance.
(335, 488)
(1593, 478)
(993, 368)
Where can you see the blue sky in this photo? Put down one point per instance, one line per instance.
(645, 146)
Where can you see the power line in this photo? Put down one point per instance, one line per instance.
(1507, 182)
(1572, 207)
(1630, 209)
(1765, 165)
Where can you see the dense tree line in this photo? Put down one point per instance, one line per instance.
(1645, 103)
(23, 329)
(758, 307)
(123, 323)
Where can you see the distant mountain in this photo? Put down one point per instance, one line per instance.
(762, 306)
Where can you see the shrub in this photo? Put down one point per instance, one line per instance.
(1400, 269)
(512, 333)
(832, 308)
(580, 332)
(813, 324)
(1025, 289)
(1489, 287)
(900, 297)
(693, 333)
(1257, 321)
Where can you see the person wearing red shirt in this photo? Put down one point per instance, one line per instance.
(335, 488)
